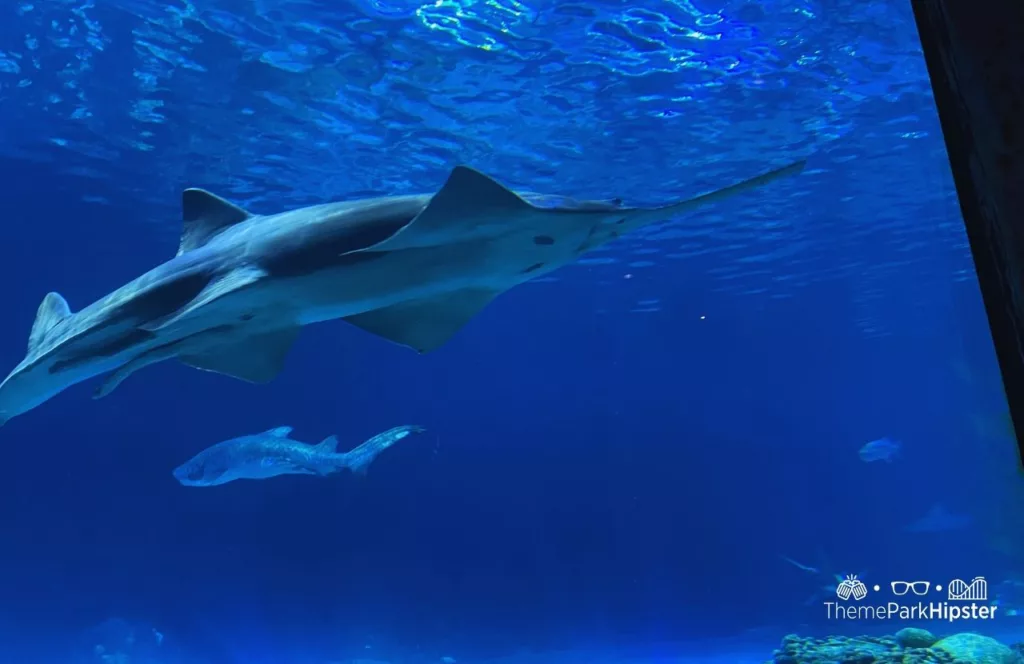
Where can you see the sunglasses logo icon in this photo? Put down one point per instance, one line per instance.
(900, 588)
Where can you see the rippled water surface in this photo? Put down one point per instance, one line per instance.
(277, 103)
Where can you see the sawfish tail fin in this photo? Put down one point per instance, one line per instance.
(642, 217)
(360, 458)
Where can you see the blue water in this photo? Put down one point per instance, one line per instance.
(620, 457)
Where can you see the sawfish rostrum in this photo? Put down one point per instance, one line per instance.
(411, 269)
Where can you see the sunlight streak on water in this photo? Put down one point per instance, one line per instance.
(297, 101)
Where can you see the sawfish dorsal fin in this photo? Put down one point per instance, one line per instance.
(52, 310)
(279, 432)
(460, 210)
(204, 215)
(328, 445)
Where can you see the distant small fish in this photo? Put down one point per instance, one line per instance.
(829, 582)
(939, 519)
(883, 449)
(272, 453)
(806, 568)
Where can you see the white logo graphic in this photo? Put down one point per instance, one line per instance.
(910, 601)
(976, 590)
(900, 588)
(851, 587)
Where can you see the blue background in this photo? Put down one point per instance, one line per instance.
(593, 475)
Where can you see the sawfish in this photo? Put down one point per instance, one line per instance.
(413, 269)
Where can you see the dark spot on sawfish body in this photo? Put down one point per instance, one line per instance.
(246, 317)
(543, 240)
(533, 268)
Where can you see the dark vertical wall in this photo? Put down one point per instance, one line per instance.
(976, 64)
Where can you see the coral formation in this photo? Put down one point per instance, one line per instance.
(907, 646)
(970, 647)
(914, 637)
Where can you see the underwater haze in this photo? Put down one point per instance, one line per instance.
(735, 425)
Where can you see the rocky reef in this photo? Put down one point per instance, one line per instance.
(907, 646)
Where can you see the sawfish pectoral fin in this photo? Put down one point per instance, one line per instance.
(425, 324)
(467, 198)
(255, 359)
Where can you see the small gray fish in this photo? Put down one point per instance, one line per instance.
(939, 519)
(883, 449)
(273, 453)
